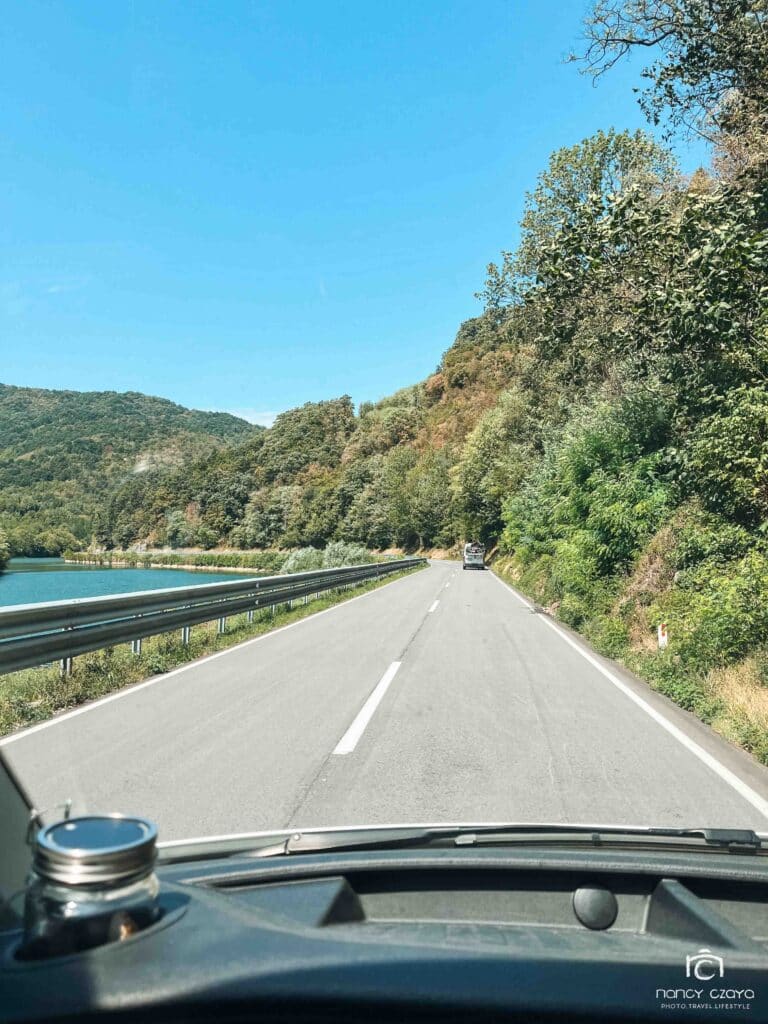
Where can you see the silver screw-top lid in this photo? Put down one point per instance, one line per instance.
(103, 850)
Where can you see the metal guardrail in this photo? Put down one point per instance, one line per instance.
(35, 634)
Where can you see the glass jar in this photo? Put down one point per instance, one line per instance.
(92, 882)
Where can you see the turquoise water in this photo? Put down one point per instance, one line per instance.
(30, 580)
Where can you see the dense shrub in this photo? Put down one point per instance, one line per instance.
(335, 556)
(303, 560)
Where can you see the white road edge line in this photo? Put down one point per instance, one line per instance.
(433, 606)
(350, 739)
(128, 690)
(745, 791)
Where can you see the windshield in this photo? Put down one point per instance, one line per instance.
(383, 426)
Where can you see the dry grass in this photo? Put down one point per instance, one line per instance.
(652, 575)
(641, 637)
(743, 692)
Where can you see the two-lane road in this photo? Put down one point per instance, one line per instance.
(439, 697)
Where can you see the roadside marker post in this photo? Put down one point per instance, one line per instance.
(663, 638)
(65, 665)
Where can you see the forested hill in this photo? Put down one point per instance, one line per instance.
(382, 475)
(63, 452)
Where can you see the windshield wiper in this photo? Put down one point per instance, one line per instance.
(731, 840)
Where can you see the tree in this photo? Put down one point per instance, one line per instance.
(391, 487)
(5, 548)
(728, 457)
(493, 463)
(578, 179)
(674, 286)
(709, 58)
(179, 534)
(367, 518)
(223, 501)
(428, 493)
(317, 432)
(265, 518)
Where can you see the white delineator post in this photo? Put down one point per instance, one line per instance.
(663, 638)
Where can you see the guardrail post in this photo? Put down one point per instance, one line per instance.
(136, 646)
(185, 635)
(65, 665)
(222, 624)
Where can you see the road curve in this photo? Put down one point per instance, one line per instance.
(438, 697)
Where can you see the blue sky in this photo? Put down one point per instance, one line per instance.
(246, 206)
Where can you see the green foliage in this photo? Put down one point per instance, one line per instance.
(579, 179)
(270, 561)
(339, 553)
(594, 498)
(727, 460)
(719, 612)
(710, 57)
(335, 556)
(672, 286)
(494, 462)
(686, 688)
(303, 560)
(178, 533)
(428, 499)
(702, 536)
(62, 452)
(316, 433)
(5, 548)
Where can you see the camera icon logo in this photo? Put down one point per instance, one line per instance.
(704, 965)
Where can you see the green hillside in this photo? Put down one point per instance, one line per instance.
(62, 452)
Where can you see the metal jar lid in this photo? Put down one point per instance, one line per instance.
(103, 850)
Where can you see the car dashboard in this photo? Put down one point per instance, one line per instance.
(531, 933)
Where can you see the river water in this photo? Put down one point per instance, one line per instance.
(30, 580)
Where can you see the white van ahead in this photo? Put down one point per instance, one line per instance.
(474, 556)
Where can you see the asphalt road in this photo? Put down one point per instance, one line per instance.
(438, 697)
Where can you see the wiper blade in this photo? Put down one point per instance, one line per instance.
(733, 840)
(736, 839)
(370, 839)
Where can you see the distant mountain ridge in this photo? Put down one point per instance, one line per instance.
(62, 452)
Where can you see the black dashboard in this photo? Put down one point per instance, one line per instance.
(532, 933)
